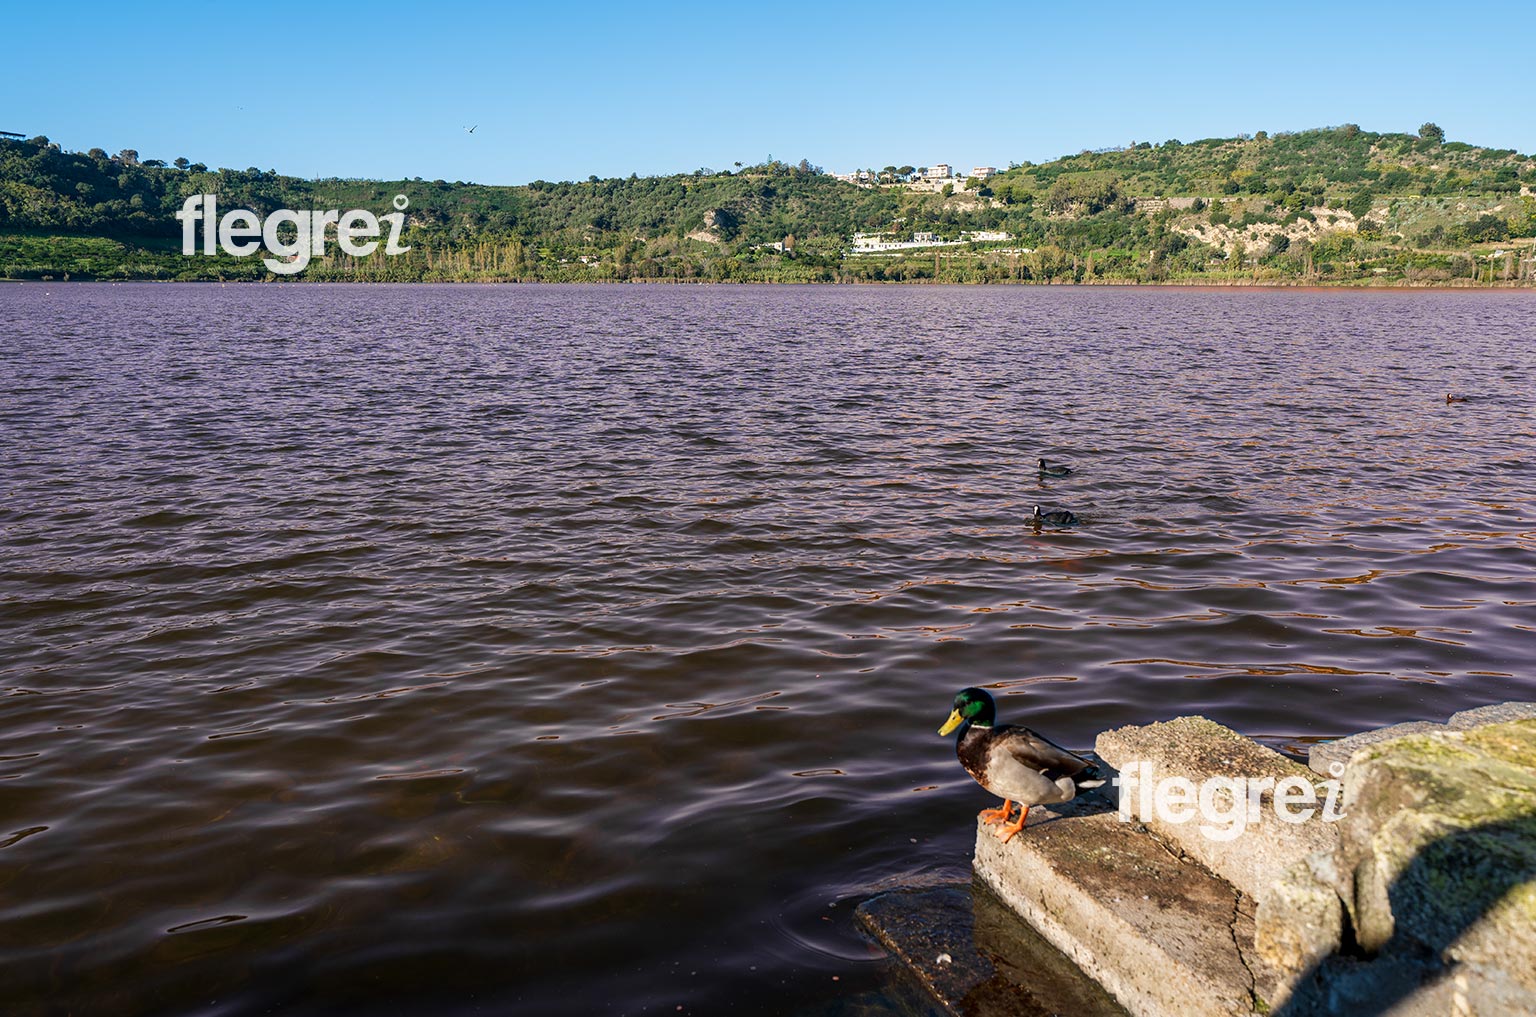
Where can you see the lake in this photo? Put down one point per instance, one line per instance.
(580, 650)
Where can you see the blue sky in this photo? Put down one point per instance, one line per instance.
(563, 90)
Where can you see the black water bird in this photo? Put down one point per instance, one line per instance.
(1055, 517)
(1054, 469)
(1455, 398)
(1012, 762)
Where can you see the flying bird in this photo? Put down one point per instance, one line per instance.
(470, 130)
(1014, 763)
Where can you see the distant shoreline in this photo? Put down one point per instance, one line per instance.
(1296, 287)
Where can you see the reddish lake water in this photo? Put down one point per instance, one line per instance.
(545, 650)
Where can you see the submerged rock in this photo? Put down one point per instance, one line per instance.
(977, 958)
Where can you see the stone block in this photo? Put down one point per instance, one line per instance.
(1439, 848)
(1161, 933)
(1263, 845)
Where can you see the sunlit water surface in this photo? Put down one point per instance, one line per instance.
(541, 650)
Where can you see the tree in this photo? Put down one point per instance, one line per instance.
(181, 162)
(1485, 229)
(1360, 205)
(1432, 133)
(1091, 194)
(128, 157)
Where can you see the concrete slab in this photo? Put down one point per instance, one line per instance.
(1325, 756)
(1262, 846)
(1496, 713)
(1322, 756)
(1165, 936)
(977, 958)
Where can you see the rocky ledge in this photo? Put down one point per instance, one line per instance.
(1216, 876)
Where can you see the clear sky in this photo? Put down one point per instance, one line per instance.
(562, 90)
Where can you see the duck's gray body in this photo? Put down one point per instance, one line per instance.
(1019, 765)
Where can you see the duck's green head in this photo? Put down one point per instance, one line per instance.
(971, 706)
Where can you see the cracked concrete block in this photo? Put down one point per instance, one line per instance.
(1255, 845)
(1300, 920)
(1164, 935)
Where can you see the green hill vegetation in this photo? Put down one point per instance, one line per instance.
(1331, 206)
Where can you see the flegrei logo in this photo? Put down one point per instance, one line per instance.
(1225, 806)
(291, 238)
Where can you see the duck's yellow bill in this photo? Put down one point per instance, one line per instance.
(954, 721)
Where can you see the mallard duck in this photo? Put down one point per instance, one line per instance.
(1014, 763)
(1055, 517)
(1053, 469)
(1455, 398)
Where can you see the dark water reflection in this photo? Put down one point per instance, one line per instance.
(579, 650)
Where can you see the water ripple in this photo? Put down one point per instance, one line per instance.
(553, 650)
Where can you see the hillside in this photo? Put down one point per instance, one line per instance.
(1337, 205)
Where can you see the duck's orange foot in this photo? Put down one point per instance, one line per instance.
(998, 815)
(1006, 833)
